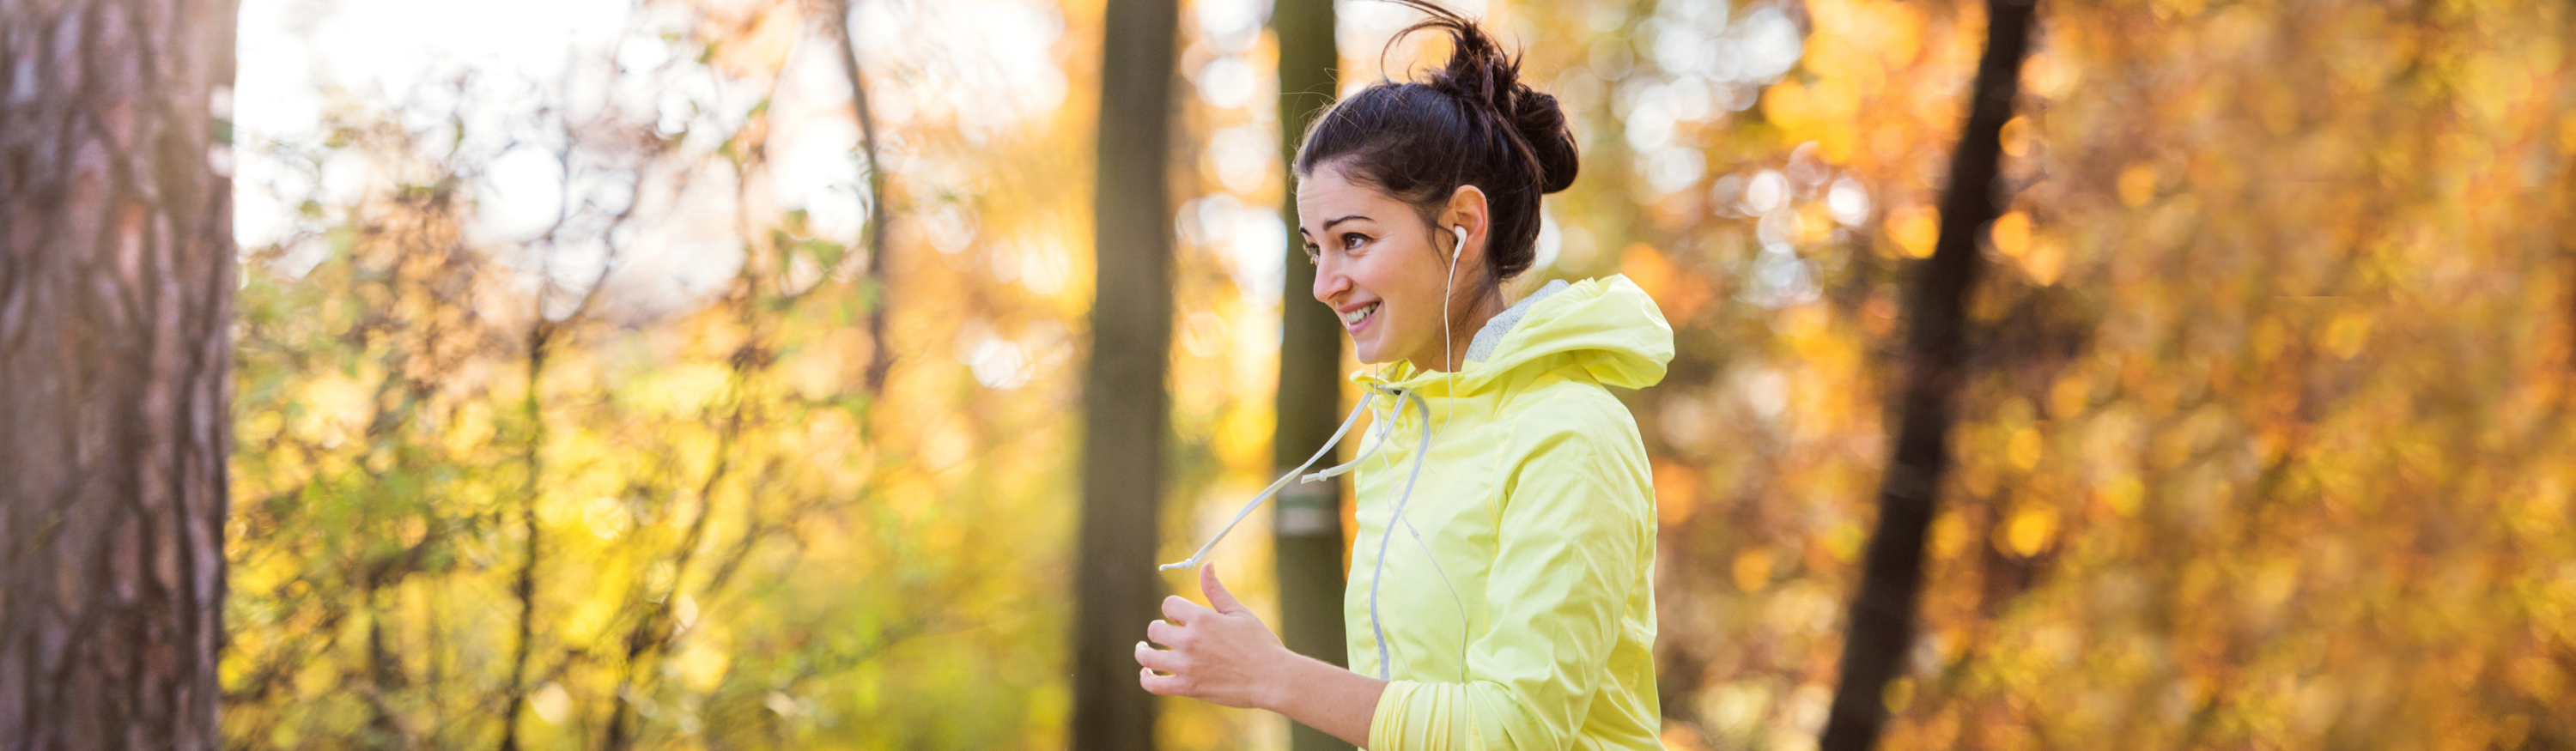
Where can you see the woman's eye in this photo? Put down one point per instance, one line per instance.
(1353, 240)
(1312, 255)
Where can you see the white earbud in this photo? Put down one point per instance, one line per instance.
(1461, 231)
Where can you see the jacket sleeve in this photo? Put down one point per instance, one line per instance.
(1572, 518)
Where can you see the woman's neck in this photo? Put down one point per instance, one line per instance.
(1466, 317)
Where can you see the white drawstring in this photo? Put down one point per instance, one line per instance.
(1201, 556)
(1377, 630)
(1381, 432)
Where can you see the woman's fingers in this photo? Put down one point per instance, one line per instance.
(1163, 633)
(1157, 660)
(1223, 601)
(1159, 685)
(1223, 655)
(1182, 611)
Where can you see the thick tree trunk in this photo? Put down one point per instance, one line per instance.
(1308, 528)
(1125, 400)
(1882, 614)
(116, 282)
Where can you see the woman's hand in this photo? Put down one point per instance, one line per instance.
(1221, 654)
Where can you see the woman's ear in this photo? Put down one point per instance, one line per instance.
(1467, 208)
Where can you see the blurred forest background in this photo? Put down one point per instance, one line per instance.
(604, 374)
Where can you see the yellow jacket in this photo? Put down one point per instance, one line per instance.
(1518, 606)
(1517, 600)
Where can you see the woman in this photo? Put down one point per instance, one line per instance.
(1500, 591)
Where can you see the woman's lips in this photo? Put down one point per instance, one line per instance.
(1360, 319)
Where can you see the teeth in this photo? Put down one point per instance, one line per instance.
(1357, 315)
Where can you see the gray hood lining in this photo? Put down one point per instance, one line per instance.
(1482, 348)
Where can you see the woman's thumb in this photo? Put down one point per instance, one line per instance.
(1223, 601)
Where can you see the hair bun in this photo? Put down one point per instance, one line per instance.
(1542, 126)
(1480, 72)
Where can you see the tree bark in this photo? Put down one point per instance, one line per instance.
(1308, 528)
(1882, 614)
(880, 275)
(523, 586)
(116, 282)
(1125, 399)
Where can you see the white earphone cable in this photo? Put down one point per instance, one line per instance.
(1422, 407)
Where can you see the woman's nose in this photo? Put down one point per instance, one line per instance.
(1329, 281)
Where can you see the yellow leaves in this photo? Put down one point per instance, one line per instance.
(2345, 337)
(1735, 708)
(2487, 86)
(1676, 492)
(2540, 510)
(824, 368)
(680, 389)
(2173, 9)
(2011, 234)
(2023, 449)
(910, 500)
(1752, 569)
(258, 427)
(1646, 266)
(1844, 539)
(2030, 529)
(551, 703)
(2124, 495)
(1888, 32)
(2515, 729)
(471, 429)
(1815, 224)
(684, 613)
(2049, 74)
(1898, 695)
(1785, 103)
(2274, 582)
(1823, 112)
(2017, 138)
(702, 665)
(1950, 535)
(2041, 257)
(1243, 436)
(2539, 678)
(2070, 395)
(605, 517)
(1679, 292)
(2138, 184)
(1916, 229)
(335, 409)
(1681, 736)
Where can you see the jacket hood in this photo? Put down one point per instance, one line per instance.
(1608, 327)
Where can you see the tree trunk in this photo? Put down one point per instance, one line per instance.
(1882, 614)
(880, 274)
(1124, 399)
(1308, 527)
(116, 282)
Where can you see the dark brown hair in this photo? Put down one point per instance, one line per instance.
(1469, 122)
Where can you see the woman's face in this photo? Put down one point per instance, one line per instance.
(1376, 265)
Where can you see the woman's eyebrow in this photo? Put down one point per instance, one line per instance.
(1328, 224)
